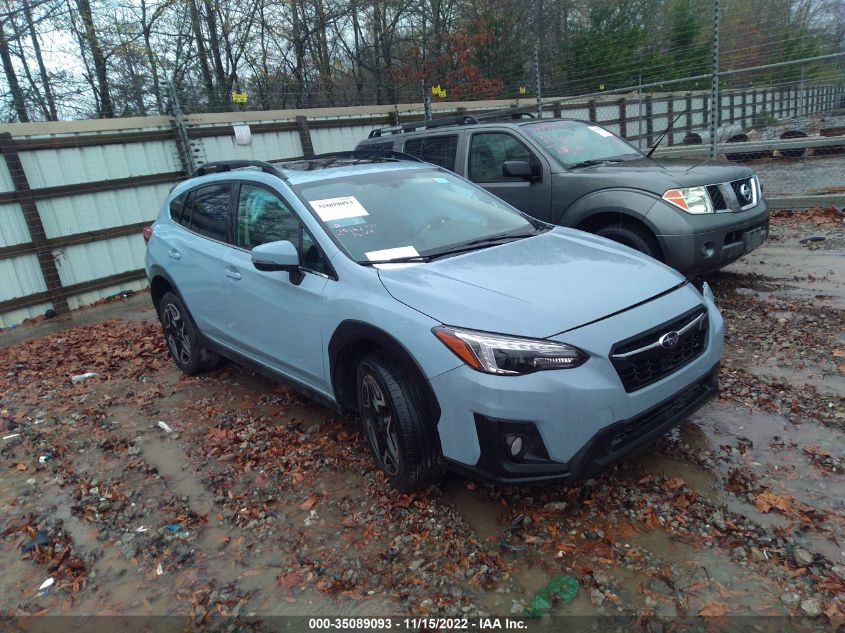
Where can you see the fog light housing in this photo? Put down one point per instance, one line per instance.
(707, 250)
(515, 444)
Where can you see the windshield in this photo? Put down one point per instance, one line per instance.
(406, 213)
(575, 142)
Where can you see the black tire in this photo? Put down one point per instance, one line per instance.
(181, 336)
(630, 235)
(402, 440)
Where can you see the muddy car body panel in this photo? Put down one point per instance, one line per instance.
(546, 297)
(600, 189)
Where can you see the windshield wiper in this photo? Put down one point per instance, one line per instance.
(595, 161)
(395, 260)
(482, 242)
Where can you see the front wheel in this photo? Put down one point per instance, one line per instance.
(182, 338)
(631, 236)
(401, 438)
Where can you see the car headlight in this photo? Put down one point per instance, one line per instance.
(510, 355)
(690, 199)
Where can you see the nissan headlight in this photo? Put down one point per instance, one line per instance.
(508, 355)
(694, 200)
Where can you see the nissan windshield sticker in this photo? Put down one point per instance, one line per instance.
(331, 209)
(600, 131)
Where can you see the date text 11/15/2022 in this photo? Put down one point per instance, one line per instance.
(417, 624)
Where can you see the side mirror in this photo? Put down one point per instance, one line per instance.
(276, 256)
(518, 169)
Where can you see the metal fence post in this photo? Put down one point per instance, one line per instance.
(670, 116)
(623, 118)
(649, 121)
(305, 136)
(34, 224)
(715, 101)
(640, 112)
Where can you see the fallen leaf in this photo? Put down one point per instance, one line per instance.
(713, 609)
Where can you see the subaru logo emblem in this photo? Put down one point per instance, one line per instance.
(745, 191)
(669, 340)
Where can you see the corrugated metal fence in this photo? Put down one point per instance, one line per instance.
(75, 195)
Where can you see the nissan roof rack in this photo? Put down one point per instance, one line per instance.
(464, 119)
(219, 166)
(367, 152)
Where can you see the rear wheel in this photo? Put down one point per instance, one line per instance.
(401, 438)
(631, 236)
(181, 336)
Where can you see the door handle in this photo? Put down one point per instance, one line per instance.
(230, 272)
(174, 254)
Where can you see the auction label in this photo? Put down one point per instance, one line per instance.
(330, 209)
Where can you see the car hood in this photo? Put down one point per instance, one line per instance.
(658, 175)
(537, 287)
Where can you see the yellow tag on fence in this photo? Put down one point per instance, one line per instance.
(238, 97)
(522, 90)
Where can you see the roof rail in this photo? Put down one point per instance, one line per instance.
(464, 119)
(367, 152)
(228, 165)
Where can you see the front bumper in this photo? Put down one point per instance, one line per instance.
(715, 240)
(606, 448)
(576, 422)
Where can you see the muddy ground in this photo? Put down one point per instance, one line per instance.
(257, 501)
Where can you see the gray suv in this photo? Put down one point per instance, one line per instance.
(694, 216)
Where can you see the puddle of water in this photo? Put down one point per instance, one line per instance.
(483, 515)
(825, 380)
(776, 456)
(703, 576)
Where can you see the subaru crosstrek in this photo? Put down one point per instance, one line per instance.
(464, 333)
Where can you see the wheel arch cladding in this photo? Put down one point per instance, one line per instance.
(603, 218)
(350, 342)
(160, 283)
(628, 202)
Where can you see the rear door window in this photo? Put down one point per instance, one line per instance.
(177, 207)
(210, 211)
(440, 150)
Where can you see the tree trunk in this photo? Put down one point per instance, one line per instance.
(201, 52)
(214, 45)
(98, 58)
(52, 112)
(18, 100)
(148, 51)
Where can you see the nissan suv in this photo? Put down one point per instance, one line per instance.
(694, 216)
(464, 333)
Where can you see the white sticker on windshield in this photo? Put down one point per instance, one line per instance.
(600, 131)
(331, 209)
(393, 253)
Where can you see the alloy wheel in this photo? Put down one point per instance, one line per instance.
(380, 425)
(176, 333)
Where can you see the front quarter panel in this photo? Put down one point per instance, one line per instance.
(359, 295)
(629, 202)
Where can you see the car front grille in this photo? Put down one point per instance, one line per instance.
(650, 356)
(744, 202)
(716, 197)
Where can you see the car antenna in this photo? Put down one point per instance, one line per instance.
(663, 135)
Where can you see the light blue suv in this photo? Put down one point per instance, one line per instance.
(464, 333)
